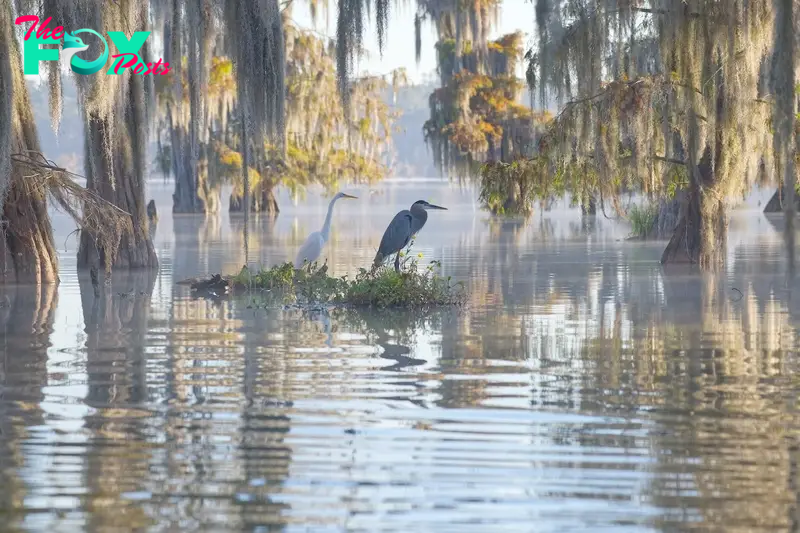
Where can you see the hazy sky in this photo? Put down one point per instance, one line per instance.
(399, 49)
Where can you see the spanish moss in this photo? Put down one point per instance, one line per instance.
(188, 103)
(116, 135)
(475, 115)
(326, 142)
(644, 84)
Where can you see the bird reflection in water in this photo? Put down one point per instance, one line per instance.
(378, 323)
(321, 315)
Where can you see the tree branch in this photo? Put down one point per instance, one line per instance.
(661, 12)
(45, 165)
(573, 103)
(669, 160)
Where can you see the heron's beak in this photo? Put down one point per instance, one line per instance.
(345, 195)
(431, 206)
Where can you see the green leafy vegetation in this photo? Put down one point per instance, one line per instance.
(476, 115)
(511, 188)
(478, 126)
(412, 287)
(642, 219)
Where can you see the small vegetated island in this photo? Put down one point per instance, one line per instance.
(413, 287)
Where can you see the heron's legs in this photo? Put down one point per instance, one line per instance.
(397, 262)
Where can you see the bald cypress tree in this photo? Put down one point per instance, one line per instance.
(27, 250)
(115, 110)
(258, 53)
(28, 179)
(661, 97)
(188, 30)
(783, 83)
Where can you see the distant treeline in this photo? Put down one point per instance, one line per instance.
(411, 155)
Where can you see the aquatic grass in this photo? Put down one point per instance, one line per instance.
(412, 287)
(642, 219)
(384, 287)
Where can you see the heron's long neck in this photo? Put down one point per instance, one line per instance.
(326, 228)
(419, 214)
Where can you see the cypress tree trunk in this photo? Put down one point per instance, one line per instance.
(511, 203)
(152, 212)
(185, 198)
(192, 192)
(263, 201)
(589, 208)
(775, 204)
(189, 138)
(115, 129)
(783, 74)
(669, 212)
(27, 250)
(701, 234)
(125, 164)
(269, 204)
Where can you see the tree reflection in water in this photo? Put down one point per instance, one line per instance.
(661, 393)
(119, 452)
(698, 370)
(26, 323)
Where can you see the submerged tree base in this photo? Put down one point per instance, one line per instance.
(701, 233)
(260, 202)
(775, 204)
(382, 287)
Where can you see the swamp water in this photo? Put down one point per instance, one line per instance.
(583, 388)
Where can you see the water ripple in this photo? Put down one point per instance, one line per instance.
(583, 388)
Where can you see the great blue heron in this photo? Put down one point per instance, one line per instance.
(312, 248)
(403, 226)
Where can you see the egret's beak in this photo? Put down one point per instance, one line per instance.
(431, 206)
(345, 195)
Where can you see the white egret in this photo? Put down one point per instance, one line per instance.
(312, 248)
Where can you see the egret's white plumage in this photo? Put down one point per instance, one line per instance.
(312, 248)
